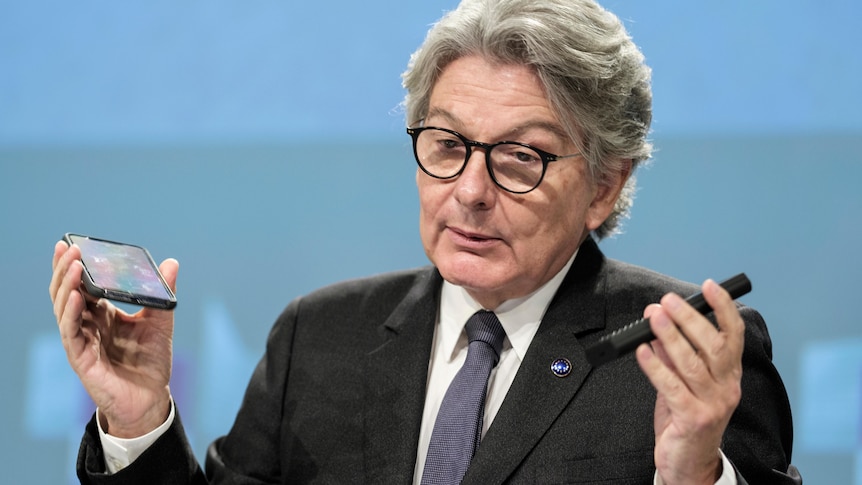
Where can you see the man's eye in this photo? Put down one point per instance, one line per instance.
(526, 157)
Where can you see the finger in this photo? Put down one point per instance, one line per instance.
(727, 350)
(666, 323)
(649, 312)
(703, 356)
(713, 345)
(696, 328)
(99, 310)
(59, 264)
(725, 309)
(650, 309)
(69, 283)
(59, 250)
(69, 322)
(659, 350)
(673, 334)
(665, 379)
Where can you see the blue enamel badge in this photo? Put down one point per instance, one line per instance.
(561, 367)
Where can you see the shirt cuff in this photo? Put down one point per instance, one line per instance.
(728, 475)
(121, 452)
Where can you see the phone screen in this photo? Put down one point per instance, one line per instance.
(123, 268)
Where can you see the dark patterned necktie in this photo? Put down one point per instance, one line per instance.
(458, 428)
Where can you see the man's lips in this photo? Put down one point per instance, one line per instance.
(465, 238)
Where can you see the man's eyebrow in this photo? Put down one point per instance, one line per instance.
(435, 112)
(553, 128)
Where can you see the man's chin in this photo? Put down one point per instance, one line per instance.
(476, 276)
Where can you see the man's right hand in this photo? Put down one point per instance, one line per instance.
(123, 360)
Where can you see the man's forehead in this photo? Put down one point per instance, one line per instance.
(437, 114)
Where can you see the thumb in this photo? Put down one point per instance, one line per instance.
(169, 269)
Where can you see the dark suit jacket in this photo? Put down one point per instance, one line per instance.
(339, 394)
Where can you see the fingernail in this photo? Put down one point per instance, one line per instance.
(712, 287)
(645, 352)
(672, 301)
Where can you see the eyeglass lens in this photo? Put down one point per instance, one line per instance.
(514, 167)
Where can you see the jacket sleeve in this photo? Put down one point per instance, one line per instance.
(169, 460)
(759, 437)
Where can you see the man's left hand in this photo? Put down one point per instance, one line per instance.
(696, 369)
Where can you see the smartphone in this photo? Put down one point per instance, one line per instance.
(122, 272)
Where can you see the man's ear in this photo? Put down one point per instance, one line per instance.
(608, 190)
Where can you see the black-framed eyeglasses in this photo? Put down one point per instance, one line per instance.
(515, 167)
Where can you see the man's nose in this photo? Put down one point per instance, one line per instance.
(475, 187)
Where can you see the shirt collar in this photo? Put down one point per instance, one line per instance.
(519, 317)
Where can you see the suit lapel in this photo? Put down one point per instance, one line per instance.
(537, 396)
(396, 378)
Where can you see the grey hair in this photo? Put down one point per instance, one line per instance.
(593, 73)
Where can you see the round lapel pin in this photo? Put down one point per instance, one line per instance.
(561, 367)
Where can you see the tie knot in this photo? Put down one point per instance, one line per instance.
(485, 327)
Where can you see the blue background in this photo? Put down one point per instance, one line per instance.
(261, 144)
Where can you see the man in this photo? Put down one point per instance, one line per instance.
(527, 119)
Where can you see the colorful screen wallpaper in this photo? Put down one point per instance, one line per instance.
(120, 267)
(262, 145)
